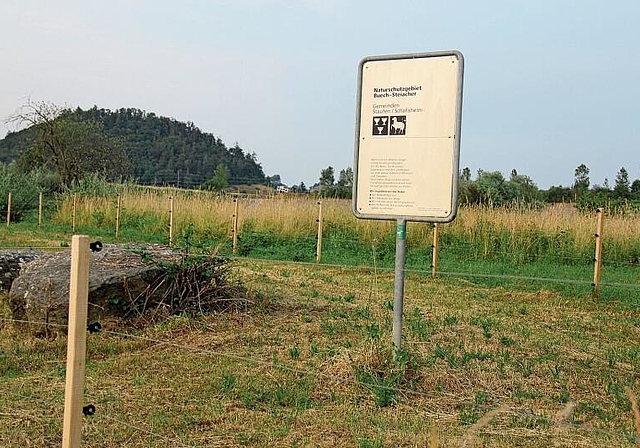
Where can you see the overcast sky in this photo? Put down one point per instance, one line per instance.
(548, 84)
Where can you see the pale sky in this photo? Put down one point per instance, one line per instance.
(548, 84)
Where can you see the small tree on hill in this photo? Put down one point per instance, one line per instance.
(70, 147)
(220, 179)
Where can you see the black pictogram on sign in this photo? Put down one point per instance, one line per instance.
(399, 125)
(396, 125)
(380, 126)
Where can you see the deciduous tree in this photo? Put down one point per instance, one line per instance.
(344, 187)
(327, 179)
(70, 147)
(220, 179)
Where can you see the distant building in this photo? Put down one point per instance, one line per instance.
(282, 189)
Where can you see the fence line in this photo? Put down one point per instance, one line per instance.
(236, 357)
(424, 272)
(436, 252)
(551, 433)
(452, 274)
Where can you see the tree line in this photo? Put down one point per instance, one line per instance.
(493, 188)
(61, 146)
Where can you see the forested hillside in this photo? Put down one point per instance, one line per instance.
(160, 150)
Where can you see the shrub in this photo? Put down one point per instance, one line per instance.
(24, 189)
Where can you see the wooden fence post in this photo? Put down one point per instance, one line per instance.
(8, 209)
(234, 230)
(73, 212)
(118, 215)
(170, 221)
(40, 209)
(597, 269)
(77, 341)
(436, 248)
(320, 226)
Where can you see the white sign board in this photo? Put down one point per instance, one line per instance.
(408, 137)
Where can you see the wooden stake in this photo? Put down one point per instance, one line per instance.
(320, 226)
(636, 412)
(73, 212)
(234, 231)
(170, 221)
(40, 209)
(436, 247)
(77, 341)
(8, 209)
(433, 439)
(597, 269)
(118, 216)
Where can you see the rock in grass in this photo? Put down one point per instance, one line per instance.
(148, 282)
(118, 276)
(11, 262)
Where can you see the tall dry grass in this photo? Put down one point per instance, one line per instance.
(519, 234)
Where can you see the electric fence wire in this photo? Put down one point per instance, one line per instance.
(279, 366)
(249, 360)
(33, 248)
(460, 274)
(232, 356)
(306, 239)
(98, 416)
(49, 403)
(198, 350)
(23, 415)
(138, 427)
(456, 274)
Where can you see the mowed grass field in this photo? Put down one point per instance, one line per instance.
(311, 364)
(508, 347)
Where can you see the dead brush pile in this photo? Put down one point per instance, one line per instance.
(194, 285)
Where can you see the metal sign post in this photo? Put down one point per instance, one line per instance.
(398, 289)
(407, 146)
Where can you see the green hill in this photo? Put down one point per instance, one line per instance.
(161, 150)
